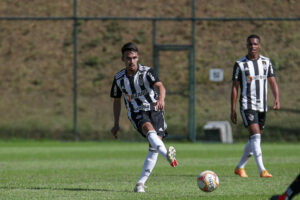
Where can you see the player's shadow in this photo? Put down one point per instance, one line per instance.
(64, 189)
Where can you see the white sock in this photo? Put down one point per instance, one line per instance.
(246, 155)
(255, 146)
(149, 165)
(157, 143)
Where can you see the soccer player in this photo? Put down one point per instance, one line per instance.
(291, 191)
(252, 73)
(144, 96)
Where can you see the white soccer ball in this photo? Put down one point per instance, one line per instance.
(208, 181)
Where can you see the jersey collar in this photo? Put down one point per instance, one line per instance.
(253, 60)
(134, 73)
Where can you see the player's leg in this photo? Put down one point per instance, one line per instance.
(240, 169)
(154, 140)
(151, 158)
(159, 125)
(255, 139)
(141, 122)
(256, 132)
(291, 191)
(149, 165)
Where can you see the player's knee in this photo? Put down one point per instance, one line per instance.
(146, 127)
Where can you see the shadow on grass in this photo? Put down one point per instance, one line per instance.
(64, 189)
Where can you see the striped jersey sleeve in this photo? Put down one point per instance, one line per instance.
(152, 77)
(271, 72)
(236, 76)
(115, 91)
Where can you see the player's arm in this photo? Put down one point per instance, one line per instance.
(234, 96)
(154, 81)
(275, 91)
(160, 105)
(116, 94)
(236, 78)
(116, 111)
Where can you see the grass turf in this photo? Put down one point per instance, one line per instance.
(109, 170)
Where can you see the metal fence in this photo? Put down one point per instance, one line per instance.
(191, 48)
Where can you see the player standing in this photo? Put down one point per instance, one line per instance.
(144, 96)
(251, 73)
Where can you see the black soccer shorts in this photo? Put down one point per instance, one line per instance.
(253, 117)
(156, 118)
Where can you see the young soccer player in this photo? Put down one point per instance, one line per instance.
(252, 73)
(144, 96)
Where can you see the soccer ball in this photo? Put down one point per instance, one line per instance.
(208, 181)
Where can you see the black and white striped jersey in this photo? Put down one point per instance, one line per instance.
(138, 90)
(253, 75)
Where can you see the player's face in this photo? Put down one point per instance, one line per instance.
(131, 58)
(253, 46)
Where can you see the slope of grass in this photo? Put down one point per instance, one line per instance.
(37, 63)
(109, 170)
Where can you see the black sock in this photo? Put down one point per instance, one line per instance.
(294, 188)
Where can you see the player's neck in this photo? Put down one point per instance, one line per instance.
(252, 56)
(130, 72)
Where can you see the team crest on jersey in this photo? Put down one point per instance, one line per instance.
(141, 80)
(265, 64)
(251, 117)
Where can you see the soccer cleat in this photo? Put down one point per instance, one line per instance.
(265, 174)
(171, 153)
(280, 197)
(139, 187)
(241, 172)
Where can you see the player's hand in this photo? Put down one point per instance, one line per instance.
(115, 130)
(233, 117)
(276, 105)
(160, 105)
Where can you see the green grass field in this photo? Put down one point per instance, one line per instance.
(109, 170)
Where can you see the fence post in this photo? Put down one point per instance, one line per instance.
(75, 72)
(192, 71)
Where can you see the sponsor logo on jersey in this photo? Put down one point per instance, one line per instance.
(142, 107)
(264, 64)
(136, 95)
(257, 77)
(141, 81)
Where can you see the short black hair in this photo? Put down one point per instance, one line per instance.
(130, 46)
(253, 36)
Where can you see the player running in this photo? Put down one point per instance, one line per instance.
(251, 73)
(144, 96)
